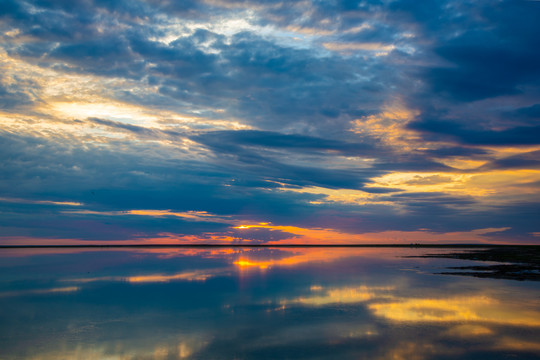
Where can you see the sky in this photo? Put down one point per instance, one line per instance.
(268, 122)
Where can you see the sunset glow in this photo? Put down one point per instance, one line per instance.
(269, 122)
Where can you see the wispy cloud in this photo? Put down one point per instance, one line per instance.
(40, 202)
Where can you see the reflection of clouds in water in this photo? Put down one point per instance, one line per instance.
(184, 348)
(417, 350)
(466, 308)
(517, 344)
(55, 290)
(303, 305)
(460, 318)
(197, 275)
(458, 309)
(345, 295)
(189, 276)
(290, 257)
(468, 330)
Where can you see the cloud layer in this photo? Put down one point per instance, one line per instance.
(337, 122)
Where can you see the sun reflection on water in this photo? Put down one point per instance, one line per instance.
(302, 303)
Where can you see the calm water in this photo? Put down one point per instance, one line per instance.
(321, 303)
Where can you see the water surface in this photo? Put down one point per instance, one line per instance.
(258, 303)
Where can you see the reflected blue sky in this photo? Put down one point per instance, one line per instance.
(218, 303)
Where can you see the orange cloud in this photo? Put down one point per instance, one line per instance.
(333, 236)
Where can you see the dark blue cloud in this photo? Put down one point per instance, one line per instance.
(529, 115)
(454, 130)
(481, 71)
(140, 131)
(259, 152)
(267, 139)
(496, 55)
(443, 152)
(12, 96)
(528, 160)
(473, 52)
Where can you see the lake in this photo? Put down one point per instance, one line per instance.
(259, 303)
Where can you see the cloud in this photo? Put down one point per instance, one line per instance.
(491, 63)
(10, 98)
(452, 130)
(268, 112)
(526, 160)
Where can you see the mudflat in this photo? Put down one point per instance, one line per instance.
(515, 262)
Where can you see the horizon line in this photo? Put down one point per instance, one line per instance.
(412, 245)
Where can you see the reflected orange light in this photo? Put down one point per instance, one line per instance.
(344, 295)
(188, 276)
(167, 253)
(461, 309)
(155, 278)
(298, 256)
(191, 276)
(39, 291)
(247, 263)
(517, 345)
(468, 330)
(471, 313)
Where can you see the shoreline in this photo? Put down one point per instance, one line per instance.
(467, 246)
(513, 263)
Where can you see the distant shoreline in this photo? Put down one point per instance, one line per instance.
(269, 246)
